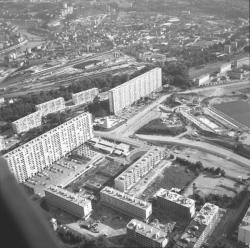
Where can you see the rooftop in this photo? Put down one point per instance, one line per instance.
(79, 200)
(125, 197)
(175, 197)
(198, 225)
(147, 230)
(139, 163)
(132, 80)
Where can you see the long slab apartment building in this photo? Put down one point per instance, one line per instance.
(125, 203)
(85, 96)
(131, 91)
(51, 106)
(39, 153)
(168, 200)
(69, 202)
(140, 168)
(27, 122)
(200, 227)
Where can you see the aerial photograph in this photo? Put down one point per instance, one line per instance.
(124, 124)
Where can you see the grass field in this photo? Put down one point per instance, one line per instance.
(174, 176)
(237, 110)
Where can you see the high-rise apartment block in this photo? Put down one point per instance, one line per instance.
(86, 96)
(27, 122)
(51, 106)
(39, 153)
(2, 143)
(125, 203)
(131, 91)
(139, 169)
(244, 229)
(146, 235)
(69, 202)
(167, 200)
(200, 227)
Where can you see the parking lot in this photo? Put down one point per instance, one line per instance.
(60, 173)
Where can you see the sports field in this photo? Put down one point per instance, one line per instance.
(237, 110)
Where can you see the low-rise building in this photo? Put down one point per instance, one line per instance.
(73, 204)
(199, 228)
(51, 106)
(203, 80)
(170, 201)
(146, 235)
(125, 203)
(27, 122)
(244, 229)
(139, 169)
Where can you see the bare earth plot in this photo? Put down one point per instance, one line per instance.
(174, 176)
(209, 160)
(207, 184)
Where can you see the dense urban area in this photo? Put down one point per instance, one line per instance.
(127, 122)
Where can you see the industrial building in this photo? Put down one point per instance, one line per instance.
(244, 229)
(170, 201)
(86, 96)
(139, 169)
(39, 153)
(146, 235)
(69, 202)
(200, 227)
(51, 106)
(27, 122)
(125, 203)
(131, 91)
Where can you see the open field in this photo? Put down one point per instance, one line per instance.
(237, 110)
(174, 176)
(207, 184)
(208, 160)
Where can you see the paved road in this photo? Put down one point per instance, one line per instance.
(144, 116)
(203, 146)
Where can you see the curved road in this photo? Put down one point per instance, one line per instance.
(202, 146)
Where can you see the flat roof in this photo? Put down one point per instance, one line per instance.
(66, 195)
(175, 197)
(237, 110)
(139, 162)
(198, 225)
(125, 197)
(132, 80)
(147, 230)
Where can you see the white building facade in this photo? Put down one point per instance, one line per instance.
(146, 235)
(86, 96)
(27, 122)
(244, 229)
(69, 202)
(39, 153)
(131, 91)
(51, 106)
(125, 203)
(139, 169)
